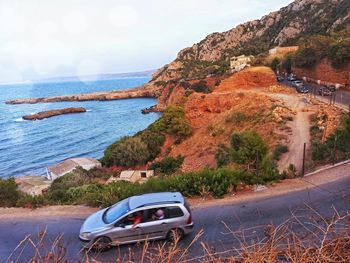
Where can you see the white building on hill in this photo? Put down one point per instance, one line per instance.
(240, 62)
(69, 165)
(133, 176)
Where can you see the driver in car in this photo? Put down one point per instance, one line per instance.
(135, 219)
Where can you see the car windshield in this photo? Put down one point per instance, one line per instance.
(116, 211)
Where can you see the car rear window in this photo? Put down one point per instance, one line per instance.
(174, 211)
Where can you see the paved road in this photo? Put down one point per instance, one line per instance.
(247, 215)
(342, 97)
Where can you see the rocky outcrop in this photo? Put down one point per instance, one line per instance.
(150, 109)
(284, 27)
(50, 113)
(147, 91)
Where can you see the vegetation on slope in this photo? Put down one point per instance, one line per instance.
(334, 47)
(71, 188)
(249, 152)
(336, 148)
(145, 145)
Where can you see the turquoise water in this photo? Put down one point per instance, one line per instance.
(27, 147)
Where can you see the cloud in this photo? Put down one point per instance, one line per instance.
(39, 39)
(123, 16)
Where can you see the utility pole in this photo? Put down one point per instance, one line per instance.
(334, 149)
(303, 168)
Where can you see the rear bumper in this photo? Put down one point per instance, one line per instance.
(188, 228)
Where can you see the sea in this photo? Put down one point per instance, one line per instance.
(28, 147)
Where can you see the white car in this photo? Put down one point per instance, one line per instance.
(135, 219)
(297, 83)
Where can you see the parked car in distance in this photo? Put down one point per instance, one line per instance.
(161, 215)
(280, 78)
(324, 91)
(332, 88)
(291, 78)
(302, 89)
(297, 83)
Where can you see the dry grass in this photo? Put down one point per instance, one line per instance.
(307, 239)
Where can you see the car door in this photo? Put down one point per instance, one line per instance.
(150, 228)
(159, 228)
(123, 232)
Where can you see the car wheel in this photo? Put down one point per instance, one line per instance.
(175, 234)
(102, 243)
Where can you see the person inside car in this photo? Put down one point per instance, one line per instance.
(135, 219)
(159, 214)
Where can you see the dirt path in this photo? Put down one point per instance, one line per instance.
(300, 127)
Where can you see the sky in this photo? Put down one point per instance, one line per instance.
(41, 39)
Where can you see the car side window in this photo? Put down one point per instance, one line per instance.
(173, 212)
(132, 218)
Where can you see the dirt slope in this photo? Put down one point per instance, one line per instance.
(248, 100)
(254, 77)
(212, 117)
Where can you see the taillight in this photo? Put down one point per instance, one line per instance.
(189, 220)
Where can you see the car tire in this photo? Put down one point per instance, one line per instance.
(102, 243)
(175, 234)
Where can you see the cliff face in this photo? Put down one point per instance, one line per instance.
(284, 27)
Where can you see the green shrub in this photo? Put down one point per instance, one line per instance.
(250, 151)
(168, 165)
(216, 182)
(222, 155)
(287, 64)
(275, 63)
(130, 151)
(172, 122)
(337, 146)
(248, 148)
(335, 47)
(339, 53)
(278, 151)
(67, 181)
(154, 142)
(9, 193)
(200, 86)
(146, 145)
(26, 200)
(305, 57)
(269, 172)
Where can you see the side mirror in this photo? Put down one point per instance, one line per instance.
(122, 225)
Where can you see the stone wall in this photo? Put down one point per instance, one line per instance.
(325, 74)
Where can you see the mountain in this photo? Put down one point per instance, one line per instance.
(290, 24)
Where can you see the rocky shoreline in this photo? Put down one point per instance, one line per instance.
(50, 113)
(141, 92)
(153, 108)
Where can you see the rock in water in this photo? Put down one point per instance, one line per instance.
(47, 114)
